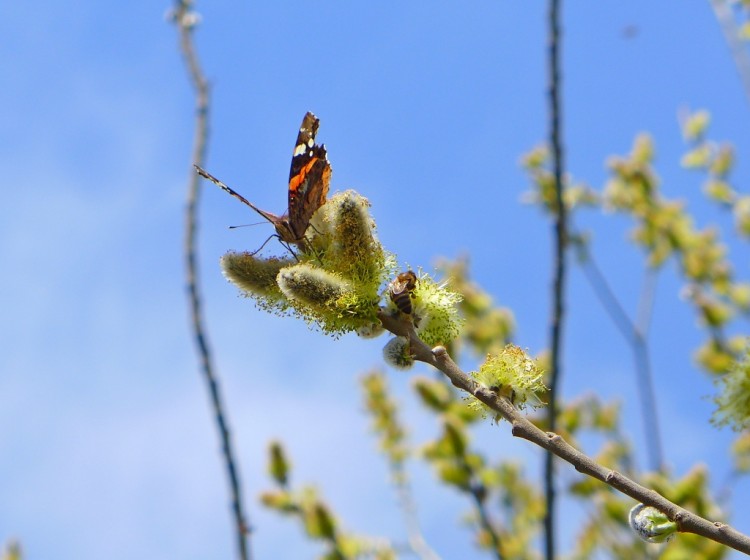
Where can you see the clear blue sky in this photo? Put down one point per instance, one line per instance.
(107, 446)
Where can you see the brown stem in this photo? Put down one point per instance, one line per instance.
(686, 521)
(184, 17)
(558, 282)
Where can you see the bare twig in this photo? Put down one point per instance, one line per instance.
(637, 336)
(185, 20)
(686, 521)
(731, 32)
(558, 283)
(478, 492)
(417, 543)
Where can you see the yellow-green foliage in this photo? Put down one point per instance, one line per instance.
(537, 163)
(278, 466)
(487, 327)
(12, 551)
(316, 294)
(733, 400)
(354, 251)
(334, 282)
(384, 413)
(436, 307)
(741, 452)
(316, 517)
(742, 215)
(694, 126)
(513, 374)
(256, 277)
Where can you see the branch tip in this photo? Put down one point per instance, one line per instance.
(439, 352)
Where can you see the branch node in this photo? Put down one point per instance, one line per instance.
(612, 476)
(440, 352)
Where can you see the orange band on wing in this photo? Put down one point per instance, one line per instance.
(299, 178)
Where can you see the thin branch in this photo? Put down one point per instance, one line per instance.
(417, 543)
(558, 283)
(644, 373)
(479, 493)
(185, 20)
(732, 35)
(646, 302)
(636, 335)
(686, 521)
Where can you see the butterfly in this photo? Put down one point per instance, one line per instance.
(309, 179)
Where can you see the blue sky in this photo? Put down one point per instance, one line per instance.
(107, 447)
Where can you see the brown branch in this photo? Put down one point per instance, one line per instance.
(185, 20)
(686, 521)
(558, 282)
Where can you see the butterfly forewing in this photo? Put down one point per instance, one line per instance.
(309, 179)
(309, 176)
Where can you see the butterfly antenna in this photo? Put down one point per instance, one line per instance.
(247, 225)
(203, 173)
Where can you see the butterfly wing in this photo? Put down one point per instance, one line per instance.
(309, 177)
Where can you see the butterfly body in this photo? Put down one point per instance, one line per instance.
(309, 180)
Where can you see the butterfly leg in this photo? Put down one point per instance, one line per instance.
(258, 250)
(283, 243)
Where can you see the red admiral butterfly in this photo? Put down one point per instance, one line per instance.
(309, 179)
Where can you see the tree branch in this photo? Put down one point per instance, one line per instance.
(185, 20)
(724, 16)
(558, 282)
(637, 336)
(687, 522)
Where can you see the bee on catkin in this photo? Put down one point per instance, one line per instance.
(401, 291)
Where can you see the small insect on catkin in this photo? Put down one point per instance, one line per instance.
(401, 291)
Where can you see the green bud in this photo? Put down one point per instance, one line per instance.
(280, 501)
(434, 395)
(719, 190)
(354, 252)
(397, 353)
(651, 525)
(697, 158)
(319, 522)
(255, 276)
(741, 213)
(312, 286)
(695, 125)
(278, 466)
